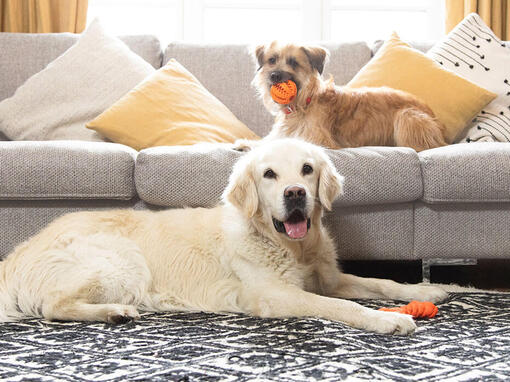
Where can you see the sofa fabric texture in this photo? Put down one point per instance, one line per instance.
(467, 173)
(66, 170)
(373, 232)
(471, 230)
(184, 176)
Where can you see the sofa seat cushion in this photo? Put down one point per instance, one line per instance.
(467, 173)
(196, 176)
(66, 170)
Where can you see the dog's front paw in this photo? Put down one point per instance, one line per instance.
(390, 323)
(426, 293)
(122, 314)
(243, 145)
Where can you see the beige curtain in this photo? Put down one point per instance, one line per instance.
(495, 13)
(43, 16)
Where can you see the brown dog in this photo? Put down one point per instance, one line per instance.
(339, 117)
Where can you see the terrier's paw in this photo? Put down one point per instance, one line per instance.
(390, 323)
(243, 145)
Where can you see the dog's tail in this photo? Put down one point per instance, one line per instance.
(416, 129)
(8, 307)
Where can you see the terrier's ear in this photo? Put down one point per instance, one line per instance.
(317, 56)
(258, 53)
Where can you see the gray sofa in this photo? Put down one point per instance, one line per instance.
(451, 202)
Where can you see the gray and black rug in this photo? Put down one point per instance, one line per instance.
(468, 340)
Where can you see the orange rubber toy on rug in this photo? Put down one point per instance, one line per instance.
(284, 92)
(417, 309)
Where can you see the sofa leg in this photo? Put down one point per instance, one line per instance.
(427, 263)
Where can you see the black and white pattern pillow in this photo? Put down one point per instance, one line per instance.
(473, 51)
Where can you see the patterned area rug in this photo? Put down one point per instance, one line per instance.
(468, 340)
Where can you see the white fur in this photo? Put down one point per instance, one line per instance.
(103, 266)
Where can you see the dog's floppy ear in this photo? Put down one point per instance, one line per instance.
(317, 56)
(331, 183)
(241, 191)
(258, 53)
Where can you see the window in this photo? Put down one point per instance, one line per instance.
(249, 21)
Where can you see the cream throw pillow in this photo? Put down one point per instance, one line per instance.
(171, 107)
(76, 87)
(453, 99)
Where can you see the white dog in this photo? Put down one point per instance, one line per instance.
(263, 252)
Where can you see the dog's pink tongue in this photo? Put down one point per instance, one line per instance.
(296, 230)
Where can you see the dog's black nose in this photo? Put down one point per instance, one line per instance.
(275, 77)
(294, 193)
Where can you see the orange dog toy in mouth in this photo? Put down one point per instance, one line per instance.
(284, 92)
(417, 309)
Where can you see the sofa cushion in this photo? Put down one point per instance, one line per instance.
(66, 170)
(178, 176)
(375, 232)
(474, 172)
(227, 71)
(196, 176)
(24, 54)
(378, 175)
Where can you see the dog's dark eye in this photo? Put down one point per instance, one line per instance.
(270, 174)
(307, 169)
(272, 60)
(292, 62)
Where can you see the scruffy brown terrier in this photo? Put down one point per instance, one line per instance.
(339, 117)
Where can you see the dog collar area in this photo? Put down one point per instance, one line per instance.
(291, 108)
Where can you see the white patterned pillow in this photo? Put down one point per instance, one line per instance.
(76, 87)
(472, 51)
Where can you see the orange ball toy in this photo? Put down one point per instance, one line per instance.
(284, 92)
(417, 309)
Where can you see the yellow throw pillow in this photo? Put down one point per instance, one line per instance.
(453, 99)
(170, 107)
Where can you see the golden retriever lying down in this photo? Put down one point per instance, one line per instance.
(263, 252)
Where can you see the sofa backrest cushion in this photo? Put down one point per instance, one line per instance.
(23, 54)
(196, 176)
(227, 71)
